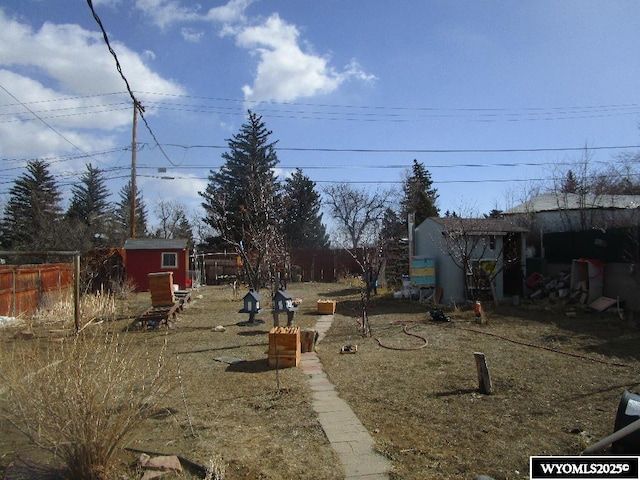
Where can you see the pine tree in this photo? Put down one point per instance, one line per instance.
(123, 214)
(303, 227)
(90, 208)
(33, 213)
(242, 200)
(419, 195)
(570, 183)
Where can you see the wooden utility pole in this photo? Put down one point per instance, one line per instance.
(132, 217)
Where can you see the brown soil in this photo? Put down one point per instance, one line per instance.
(557, 382)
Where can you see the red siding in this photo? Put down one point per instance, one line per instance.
(140, 263)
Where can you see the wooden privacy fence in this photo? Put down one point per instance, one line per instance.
(26, 288)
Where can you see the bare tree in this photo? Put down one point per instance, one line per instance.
(482, 248)
(174, 219)
(359, 215)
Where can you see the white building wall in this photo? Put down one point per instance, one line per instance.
(429, 242)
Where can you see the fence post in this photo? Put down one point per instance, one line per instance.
(13, 292)
(76, 291)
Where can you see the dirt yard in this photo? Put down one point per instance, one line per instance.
(557, 383)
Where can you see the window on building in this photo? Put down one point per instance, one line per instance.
(169, 260)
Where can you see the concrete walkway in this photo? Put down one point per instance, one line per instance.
(347, 435)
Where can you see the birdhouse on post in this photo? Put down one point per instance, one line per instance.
(283, 302)
(251, 305)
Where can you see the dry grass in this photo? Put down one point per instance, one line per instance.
(420, 405)
(81, 399)
(557, 382)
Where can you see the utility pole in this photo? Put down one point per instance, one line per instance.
(132, 217)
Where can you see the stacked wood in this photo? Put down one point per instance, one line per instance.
(552, 288)
(284, 347)
(326, 307)
(161, 289)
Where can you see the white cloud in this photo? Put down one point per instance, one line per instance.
(167, 12)
(107, 3)
(285, 72)
(149, 54)
(184, 187)
(70, 74)
(232, 12)
(191, 35)
(39, 122)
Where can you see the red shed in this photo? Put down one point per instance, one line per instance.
(151, 255)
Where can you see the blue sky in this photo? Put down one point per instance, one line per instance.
(491, 96)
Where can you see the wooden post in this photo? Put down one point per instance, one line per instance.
(76, 292)
(484, 378)
(307, 340)
(134, 190)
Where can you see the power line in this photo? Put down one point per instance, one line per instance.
(418, 150)
(494, 110)
(49, 126)
(136, 104)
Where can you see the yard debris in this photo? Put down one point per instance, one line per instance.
(602, 303)
(229, 360)
(155, 467)
(349, 349)
(438, 315)
(558, 288)
(553, 287)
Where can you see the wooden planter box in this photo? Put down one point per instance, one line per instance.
(326, 307)
(284, 347)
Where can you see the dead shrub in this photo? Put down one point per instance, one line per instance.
(80, 399)
(100, 306)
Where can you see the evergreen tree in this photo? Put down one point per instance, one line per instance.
(303, 227)
(242, 200)
(419, 195)
(494, 213)
(393, 227)
(33, 212)
(184, 229)
(123, 214)
(90, 207)
(570, 184)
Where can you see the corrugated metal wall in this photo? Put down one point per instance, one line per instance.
(25, 288)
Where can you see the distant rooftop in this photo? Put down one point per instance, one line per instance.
(573, 201)
(485, 226)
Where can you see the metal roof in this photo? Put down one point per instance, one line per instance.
(484, 226)
(155, 244)
(573, 201)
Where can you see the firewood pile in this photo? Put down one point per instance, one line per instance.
(559, 287)
(552, 287)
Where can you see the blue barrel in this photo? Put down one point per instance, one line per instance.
(628, 412)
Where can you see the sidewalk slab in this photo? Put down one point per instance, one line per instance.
(346, 434)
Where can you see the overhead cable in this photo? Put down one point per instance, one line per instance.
(136, 104)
